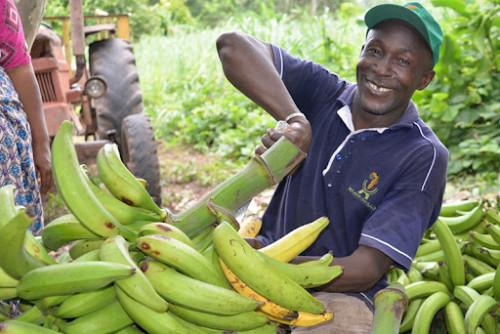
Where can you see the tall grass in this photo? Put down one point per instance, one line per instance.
(189, 99)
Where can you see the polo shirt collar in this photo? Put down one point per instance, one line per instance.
(346, 98)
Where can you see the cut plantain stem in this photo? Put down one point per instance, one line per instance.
(260, 173)
(390, 304)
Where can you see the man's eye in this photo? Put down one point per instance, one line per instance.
(373, 51)
(404, 62)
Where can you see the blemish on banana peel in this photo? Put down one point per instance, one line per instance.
(127, 201)
(145, 246)
(110, 225)
(164, 227)
(144, 266)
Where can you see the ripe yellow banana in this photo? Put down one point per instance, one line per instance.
(180, 256)
(272, 310)
(250, 227)
(121, 182)
(178, 288)
(69, 278)
(295, 242)
(237, 322)
(137, 286)
(64, 229)
(452, 253)
(249, 266)
(83, 303)
(73, 187)
(15, 260)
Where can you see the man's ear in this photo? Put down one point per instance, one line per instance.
(426, 79)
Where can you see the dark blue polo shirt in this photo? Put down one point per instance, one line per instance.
(379, 187)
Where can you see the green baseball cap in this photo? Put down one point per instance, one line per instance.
(415, 15)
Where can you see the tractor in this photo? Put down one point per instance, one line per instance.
(100, 93)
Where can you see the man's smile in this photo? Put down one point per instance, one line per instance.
(377, 89)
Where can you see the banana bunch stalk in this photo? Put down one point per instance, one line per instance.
(456, 271)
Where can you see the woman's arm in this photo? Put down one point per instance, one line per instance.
(24, 80)
(248, 65)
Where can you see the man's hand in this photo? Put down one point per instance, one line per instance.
(298, 132)
(43, 164)
(254, 243)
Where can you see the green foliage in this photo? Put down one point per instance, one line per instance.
(191, 102)
(462, 103)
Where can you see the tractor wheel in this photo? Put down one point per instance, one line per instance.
(114, 61)
(138, 152)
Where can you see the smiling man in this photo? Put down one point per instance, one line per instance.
(374, 168)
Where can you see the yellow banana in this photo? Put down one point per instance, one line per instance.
(454, 318)
(295, 242)
(249, 266)
(250, 227)
(272, 310)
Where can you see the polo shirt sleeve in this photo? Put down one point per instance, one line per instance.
(308, 83)
(409, 208)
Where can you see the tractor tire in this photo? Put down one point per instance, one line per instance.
(139, 152)
(113, 60)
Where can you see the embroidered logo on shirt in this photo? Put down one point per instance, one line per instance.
(368, 188)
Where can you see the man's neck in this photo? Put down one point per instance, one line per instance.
(363, 119)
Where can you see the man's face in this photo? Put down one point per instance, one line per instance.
(394, 62)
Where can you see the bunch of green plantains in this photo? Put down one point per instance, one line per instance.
(118, 263)
(455, 273)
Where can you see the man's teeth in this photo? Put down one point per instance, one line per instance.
(376, 88)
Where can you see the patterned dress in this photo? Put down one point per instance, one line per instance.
(16, 156)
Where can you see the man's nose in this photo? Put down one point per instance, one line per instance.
(383, 66)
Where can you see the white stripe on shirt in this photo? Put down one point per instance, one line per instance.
(433, 157)
(388, 245)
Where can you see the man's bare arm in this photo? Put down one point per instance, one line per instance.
(361, 270)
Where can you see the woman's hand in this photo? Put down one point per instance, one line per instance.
(43, 164)
(298, 132)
